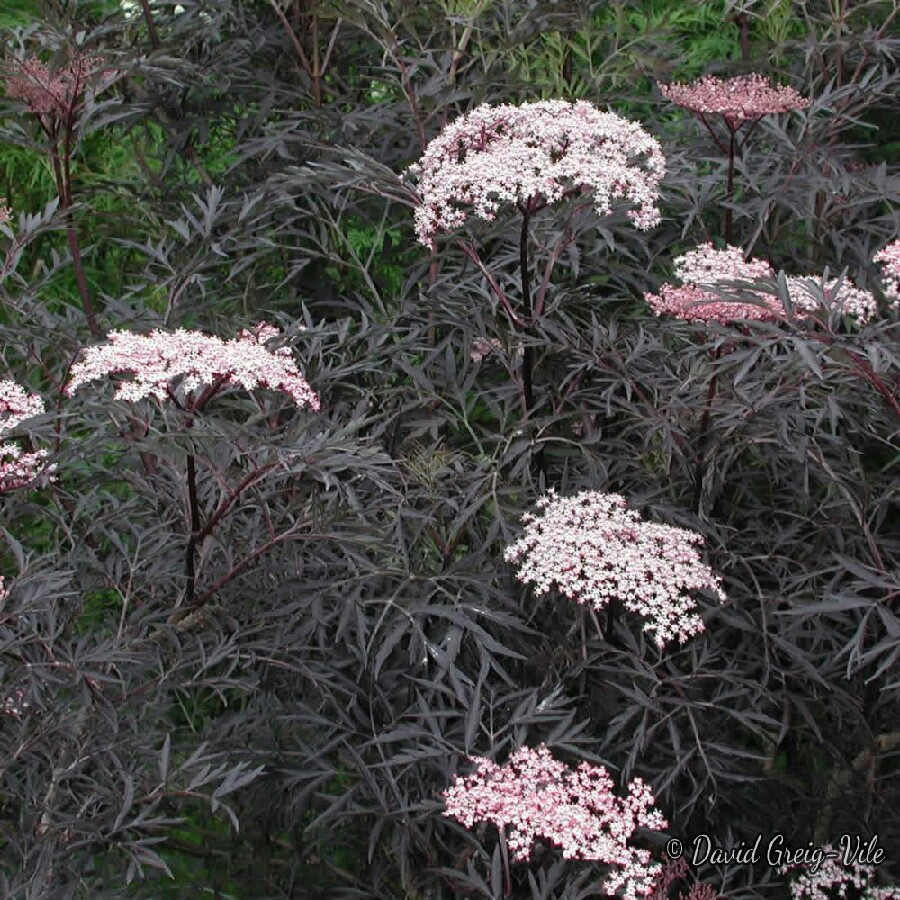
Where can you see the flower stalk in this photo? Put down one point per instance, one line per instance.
(55, 100)
(527, 351)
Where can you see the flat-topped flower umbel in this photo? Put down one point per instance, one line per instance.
(705, 268)
(18, 469)
(744, 98)
(159, 359)
(16, 405)
(540, 798)
(534, 155)
(166, 363)
(696, 304)
(593, 550)
(836, 876)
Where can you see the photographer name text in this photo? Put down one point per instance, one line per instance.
(777, 852)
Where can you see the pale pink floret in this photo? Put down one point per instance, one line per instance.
(18, 469)
(805, 292)
(889, 258)
(706, 268)
(540, 798)
(537, 152)
(157, 359)
(593, 550)
(738, 100)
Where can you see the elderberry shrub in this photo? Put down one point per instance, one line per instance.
(447, 453)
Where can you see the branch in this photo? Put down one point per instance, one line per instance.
(298, 47)
(229, 501)
(244, 563)
(470, 251)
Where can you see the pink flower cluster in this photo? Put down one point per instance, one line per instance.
(16, 405)
(535, 153)
(695, 304)
(5, 213)
(540, 798)
(889, 258)
(157, 359)
(706, 273)
(52, 93)
(591, 549)
(705, 268)
(805, 292)
(737, 100)
(833, 879)
(18, 469)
